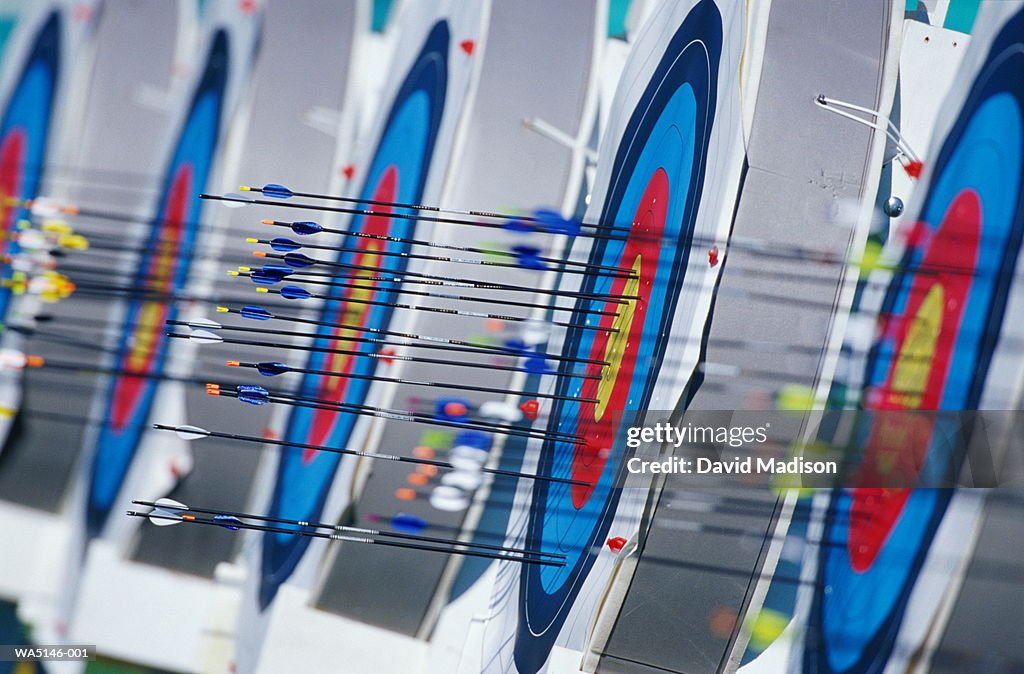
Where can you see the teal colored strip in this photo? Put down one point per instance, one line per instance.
(961, 15)
(381, 11)
(617, 11)
(911, 6)
(6, 26)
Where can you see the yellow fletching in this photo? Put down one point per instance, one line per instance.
(57, 227)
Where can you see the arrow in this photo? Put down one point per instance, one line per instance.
(207, 337)
(280, 272)
(297, 293)
(195, 433)
(257, 395)
(273, 369)
(260, 314)
(166, 514)
(166, 505)
(551, 219)
(550, 222)
(443, 296)
(525, 254)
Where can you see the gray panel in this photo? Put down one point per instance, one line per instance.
(535, 64)
(985, 633)
(802, 162)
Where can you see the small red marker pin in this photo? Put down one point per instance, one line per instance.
(349, 171)
(269, 433)
(713, 256)
(386, 353)
(530, 409)
(468, 46)
(914, 168)
(616, 544)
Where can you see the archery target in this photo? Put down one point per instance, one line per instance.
(24, 131)
(163, 267)
(413, 143)
(942, 315)
(665, 192)
(398, 173)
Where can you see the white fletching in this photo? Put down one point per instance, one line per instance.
(465, 453)
(170, 503)
(205, 337)
(449, 499)
(534, 332)
(501, 410)
(191, 432)
(467, 480)
(11, 359)
(236, 200)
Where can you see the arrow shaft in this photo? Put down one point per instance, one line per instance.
(373, 455)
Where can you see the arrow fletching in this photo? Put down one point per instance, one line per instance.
(191, 432)
(205, 337)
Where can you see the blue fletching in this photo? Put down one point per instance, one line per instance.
(529, 257)
(255, 313)
(264, 278)
(517, 345)
(276, 191)
(476, 439)
(284, 245)
(278, 269)
(298, 260)
(306, 228)
(268, 369)
(537, 365)
(409, 524)
(254, 395)
(552, 221)
(519, 226)
(228, 518)
(294, 293)
(253, 399)
(548, 218)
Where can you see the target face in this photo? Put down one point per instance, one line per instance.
(655, 189)
(163, 267)
(398, 172)
(24, 133)
(942, 314)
